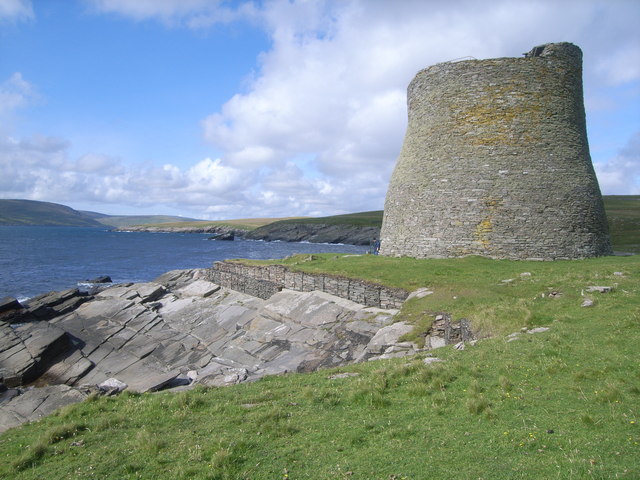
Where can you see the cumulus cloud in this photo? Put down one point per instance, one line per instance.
(40, 168)
(321, 121)
(15, 10)
(333, 86)
(621, 174)
(15, 92)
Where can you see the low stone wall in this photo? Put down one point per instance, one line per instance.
(264, 281)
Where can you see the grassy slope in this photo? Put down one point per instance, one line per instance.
(361, 219)
(29, 212)
(623, 213)
(119, 221)
(559, 404)
(241, 223)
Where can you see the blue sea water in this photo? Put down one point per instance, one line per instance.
(36, 260)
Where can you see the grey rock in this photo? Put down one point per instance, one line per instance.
(26, 351)
(100, 279)
(9, 303)
(184, 330)
(538, 330)
(599, 289)
(112, 386)
(432, 360)
(36, 403)
(420, 293)
(587, 303)
(199, 288)
(176, 279)
(12, 311)
(53, 304)
(315, 232)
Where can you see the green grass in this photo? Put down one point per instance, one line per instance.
(361, 219)
(560, 404)
(120, 221)
(241, 223)
(623, 213)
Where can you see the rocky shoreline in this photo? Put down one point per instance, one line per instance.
(176, 332)
(278, 231)
(216, 230)
(315, 233)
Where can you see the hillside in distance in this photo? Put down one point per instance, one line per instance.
(123, 221)
(32, 212)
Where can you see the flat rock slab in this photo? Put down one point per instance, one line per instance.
(148, 335)
(199, 288)
(36, 403)
(27, 350)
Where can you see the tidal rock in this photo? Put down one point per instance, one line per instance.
(100, 279)
(182, 330)
(28, 350)
(12, 311)
(8, 304)
(227, 237)
(52, 304)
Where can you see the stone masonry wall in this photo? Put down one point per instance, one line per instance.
(495, 162)
(264, 281)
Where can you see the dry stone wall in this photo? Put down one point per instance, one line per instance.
(495, 162)
(264, 281)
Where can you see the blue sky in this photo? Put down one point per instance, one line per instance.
(215, 110)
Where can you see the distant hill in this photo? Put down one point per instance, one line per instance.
(623, 214)
(120, 221)
(31, 212)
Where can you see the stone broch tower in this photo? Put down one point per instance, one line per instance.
(495, 162)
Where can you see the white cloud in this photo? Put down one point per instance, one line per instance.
(15, 10)
(621, 174)
(15, 92)
(333, 86)
(39, 168)
(321, 123)
(190, 13)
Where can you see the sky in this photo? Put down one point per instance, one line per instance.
(217, 109)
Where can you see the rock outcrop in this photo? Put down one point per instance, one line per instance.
(315, 233)
(181, 330)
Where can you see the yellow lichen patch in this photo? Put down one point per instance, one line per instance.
(485, 227)
(492, 117)
(481, 234)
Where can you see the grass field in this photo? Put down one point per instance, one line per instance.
(560, 404)
(241, 223)
(361, 219)
(623, 213)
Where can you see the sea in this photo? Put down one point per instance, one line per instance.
(36, 259)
